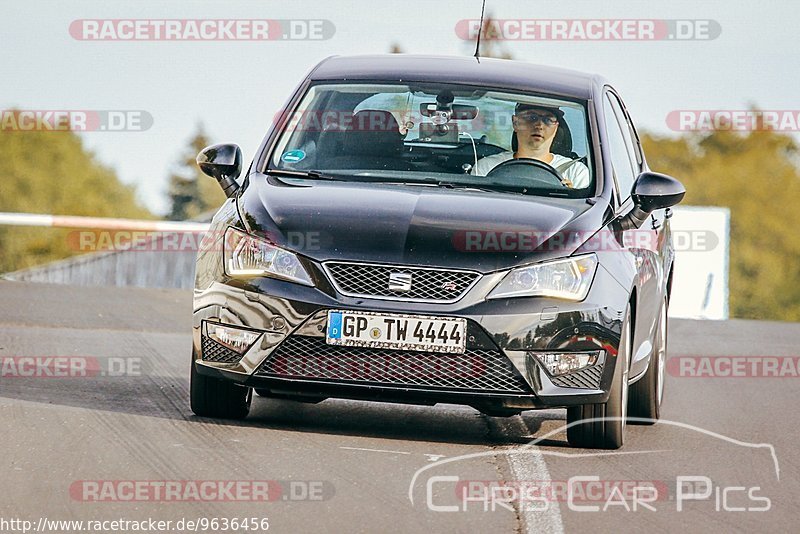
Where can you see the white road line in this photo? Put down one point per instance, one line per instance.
(373, 450)
(532, 467)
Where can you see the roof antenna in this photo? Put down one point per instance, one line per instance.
(480, 31)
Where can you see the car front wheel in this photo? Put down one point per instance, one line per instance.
(212, 397)
(602, 426)
(648, 392)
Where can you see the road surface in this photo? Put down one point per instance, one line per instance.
(73, 447)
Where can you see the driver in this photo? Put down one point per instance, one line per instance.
(536, 127)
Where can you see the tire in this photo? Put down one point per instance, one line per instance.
(647, 393)
(608, 431)
(212, 397)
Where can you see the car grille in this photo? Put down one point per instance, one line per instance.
(427, 285)
(218, 353)
(477, 370)
(585, 378)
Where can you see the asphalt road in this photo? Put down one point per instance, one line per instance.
(342, 466)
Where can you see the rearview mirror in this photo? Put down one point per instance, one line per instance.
(222, 162)
(652, 191)
(460, 112)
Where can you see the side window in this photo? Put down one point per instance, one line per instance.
(623, 159)
(627, 133)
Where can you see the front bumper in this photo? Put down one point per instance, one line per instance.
(499, 371)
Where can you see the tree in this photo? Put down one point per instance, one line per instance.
(52, 173)
(191, 192)
(754, 175)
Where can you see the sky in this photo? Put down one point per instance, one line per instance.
(234, 88)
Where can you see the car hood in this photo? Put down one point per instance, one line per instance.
(414, 225)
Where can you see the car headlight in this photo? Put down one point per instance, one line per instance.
(248, 255)
(569, 279)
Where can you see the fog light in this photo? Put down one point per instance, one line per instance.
(567, 362)
(236, 339)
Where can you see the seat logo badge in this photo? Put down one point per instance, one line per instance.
(449, 286)
(400, 282)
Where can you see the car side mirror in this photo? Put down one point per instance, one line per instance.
(222, 162)
(652, 191)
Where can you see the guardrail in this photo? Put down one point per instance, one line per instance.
(100, 223)
(151, 267)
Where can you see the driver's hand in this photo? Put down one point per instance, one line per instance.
(566, 181)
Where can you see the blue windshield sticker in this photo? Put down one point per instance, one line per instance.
(293, 156)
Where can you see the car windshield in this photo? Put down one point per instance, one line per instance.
(443, 135)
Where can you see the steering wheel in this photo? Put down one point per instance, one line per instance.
(550, 178)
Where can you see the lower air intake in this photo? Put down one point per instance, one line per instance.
(477, 370)
(217, 353)
(586, 378)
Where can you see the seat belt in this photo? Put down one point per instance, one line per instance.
(566, 165)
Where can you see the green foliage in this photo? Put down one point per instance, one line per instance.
(191, 192)
(52, 173)
(755, 176)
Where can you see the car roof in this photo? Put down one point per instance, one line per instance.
(489, 72)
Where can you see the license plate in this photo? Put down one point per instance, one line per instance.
(396, 331)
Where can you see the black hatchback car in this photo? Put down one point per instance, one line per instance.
(428, 230)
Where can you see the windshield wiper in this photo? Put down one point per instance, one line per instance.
(524, 190)
(446, 185)
(451, 185)
(316, 175)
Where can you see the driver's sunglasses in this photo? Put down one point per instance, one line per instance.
(533, 118)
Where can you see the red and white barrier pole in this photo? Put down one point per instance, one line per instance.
(99, 223)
